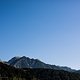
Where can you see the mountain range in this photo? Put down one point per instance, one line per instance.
(8, 72)
(25, 68)
(26, 62)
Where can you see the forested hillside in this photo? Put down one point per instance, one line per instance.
(10, 73)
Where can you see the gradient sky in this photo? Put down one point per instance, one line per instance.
(48, 30)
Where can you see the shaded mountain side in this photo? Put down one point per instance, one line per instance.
(26, 62)
(13, 60)
(36, 74)
(9, 71)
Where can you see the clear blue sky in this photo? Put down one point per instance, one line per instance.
(45, 29)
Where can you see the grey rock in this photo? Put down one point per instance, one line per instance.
(26, 62)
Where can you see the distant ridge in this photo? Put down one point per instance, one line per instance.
(26, 62)
(8, 72)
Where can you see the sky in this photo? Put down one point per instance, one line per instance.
(48, 30)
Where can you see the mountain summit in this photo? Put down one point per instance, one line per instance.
(26, 62)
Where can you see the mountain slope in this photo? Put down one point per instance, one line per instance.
(10, 73)
(26, 62)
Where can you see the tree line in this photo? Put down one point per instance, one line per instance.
(10, 73)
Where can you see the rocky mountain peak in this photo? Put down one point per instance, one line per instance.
(26, 62)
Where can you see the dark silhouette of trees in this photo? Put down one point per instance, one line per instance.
(10, 73)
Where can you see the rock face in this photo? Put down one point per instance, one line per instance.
(26, 62)
(13, 60)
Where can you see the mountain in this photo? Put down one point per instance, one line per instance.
(8, 72)
(11, 61)
(26, 62)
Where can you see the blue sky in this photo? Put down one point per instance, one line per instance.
(45, 29)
